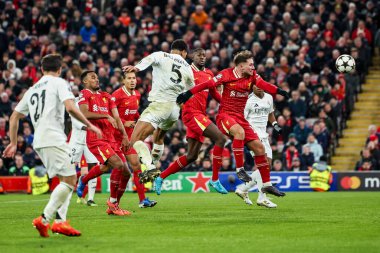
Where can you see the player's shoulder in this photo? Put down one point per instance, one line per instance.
(268, 97)
(225, 74)
(85, 93)
(208, 71)
(117, 92)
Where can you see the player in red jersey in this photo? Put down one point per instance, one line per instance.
(97, 106)
(238, 83)
(199, 125)
(127, 102)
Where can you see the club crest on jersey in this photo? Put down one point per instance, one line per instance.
(104, 100)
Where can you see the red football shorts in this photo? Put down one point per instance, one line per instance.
(225, 121)
(101, 150)
(130, 151)
(119, 152)
(195, 123)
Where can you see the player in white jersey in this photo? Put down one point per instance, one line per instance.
(45, 102)
(258, 111)
(171, 76)
(78, 149)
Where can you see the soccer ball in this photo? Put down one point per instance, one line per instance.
(345, 63)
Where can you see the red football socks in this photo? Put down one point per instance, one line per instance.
(176, 166)
(139, 187)
(93, 173)
(122, 186)
(114, 182)
(216, 162)
(238, 149)
(263, 166)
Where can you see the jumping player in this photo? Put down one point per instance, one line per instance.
(198, 125)
(46, 102)
(238, 83)
(258, 111)
(98, 106)
(171, 76)
(127, 102)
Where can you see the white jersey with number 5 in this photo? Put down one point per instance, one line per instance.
(257, 111)
(44, 103)
(172, 75)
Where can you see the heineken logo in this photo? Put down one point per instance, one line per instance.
(199, 182)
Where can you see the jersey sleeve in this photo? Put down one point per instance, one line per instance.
(190, 79)
(271, 103)
(152, 59)
(84, 97)
(22, 106)
(64, 91)
(267, 87)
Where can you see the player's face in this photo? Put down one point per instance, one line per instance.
(247, 68)
(92, 81)
(257, 91)
(200, 58)
(130, 81)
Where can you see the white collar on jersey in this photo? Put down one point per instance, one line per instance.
(236, 74)
(127, 92)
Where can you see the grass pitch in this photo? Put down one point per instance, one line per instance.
(303, 222)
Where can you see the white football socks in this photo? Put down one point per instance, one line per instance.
(157, 151)
(92, 188)
(144, 153)
(62, 211)
(57, 198)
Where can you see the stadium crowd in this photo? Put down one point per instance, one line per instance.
(295, 45)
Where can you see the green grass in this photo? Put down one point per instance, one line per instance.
(304, 222)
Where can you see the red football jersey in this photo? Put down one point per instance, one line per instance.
(127, 105)
(199, 101)
(236, 89)
(98, 102)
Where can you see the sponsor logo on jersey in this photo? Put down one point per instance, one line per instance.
(238, 94)
(97, 108)
(128, 112)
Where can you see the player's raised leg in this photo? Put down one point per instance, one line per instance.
(141, 131)
(134, 162)
(237, 147)
(158, 145)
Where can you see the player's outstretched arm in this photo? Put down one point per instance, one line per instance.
(215, 94)
(76, 113)
(10, 150)
(183, 97)
(144, 63)
(270, 88)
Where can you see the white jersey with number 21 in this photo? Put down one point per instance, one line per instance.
(44, 103)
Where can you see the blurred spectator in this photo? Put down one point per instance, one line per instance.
(206, 165)
(19, 169)
(3, 170)
(302, 131)
(290, 153)
(277, 166)
(314, 146)
(297, 105)
(307, 158)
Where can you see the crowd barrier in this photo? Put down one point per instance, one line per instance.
(196, 182)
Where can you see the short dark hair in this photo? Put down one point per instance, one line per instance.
(51, 62)
(180, 45)
(242, 56)
(84, 74)
(197, 50)
(124, 75)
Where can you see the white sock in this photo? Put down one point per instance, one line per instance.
(113, 200)
(238, 169)
(247, 186)
(92, 188)
(62, 211)
(57, 198)
(157, 152)
(144, 153)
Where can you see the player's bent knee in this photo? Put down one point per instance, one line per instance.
(191, 158)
